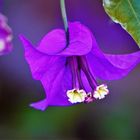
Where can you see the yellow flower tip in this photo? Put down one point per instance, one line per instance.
(101, 91)
(76, 95)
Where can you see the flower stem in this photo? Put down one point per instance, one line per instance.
(64, 17)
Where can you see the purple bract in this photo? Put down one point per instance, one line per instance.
(68, 73)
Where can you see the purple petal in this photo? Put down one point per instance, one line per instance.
(5, 36)
(54, 43)
(111, 66)
(38, 62)
(56, 82)
(2, 18)
(52, 72)
(41, 105)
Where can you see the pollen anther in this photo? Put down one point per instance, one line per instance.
(100, 92)
(76, 95)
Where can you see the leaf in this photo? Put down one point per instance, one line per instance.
(127, 14)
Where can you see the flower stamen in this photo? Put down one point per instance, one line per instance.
(76, 95)
(80, 79)
(74, 68)
(89, 98)
(85, 67)
(101, 91)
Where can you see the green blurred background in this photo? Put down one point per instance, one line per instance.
(114, 118)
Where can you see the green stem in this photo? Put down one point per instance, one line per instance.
(65, 21)
(64, 15)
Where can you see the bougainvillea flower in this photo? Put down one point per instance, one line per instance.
(5, 36)
(68, 73)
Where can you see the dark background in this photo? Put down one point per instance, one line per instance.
(114, 118)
